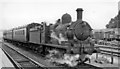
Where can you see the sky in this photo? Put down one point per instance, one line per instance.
(14, 13)
(119, 5)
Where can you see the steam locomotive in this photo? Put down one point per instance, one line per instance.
(66, 37)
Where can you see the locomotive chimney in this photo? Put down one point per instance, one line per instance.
(79, 13)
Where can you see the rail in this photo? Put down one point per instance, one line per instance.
(19, 60)
(109, 49)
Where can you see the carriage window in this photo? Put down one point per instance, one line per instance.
(9, 33)
(20, 32)
(36, 28)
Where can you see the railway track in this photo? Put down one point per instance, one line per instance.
(109, 53)
(19, 60)
(87, 66)
(109, 50)
(108, 46)
(22, 61)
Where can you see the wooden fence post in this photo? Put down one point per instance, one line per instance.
(111, 57)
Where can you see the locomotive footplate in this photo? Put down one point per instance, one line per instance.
(56, 46)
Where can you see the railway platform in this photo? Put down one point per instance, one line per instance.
(105, 65)
(5, 63)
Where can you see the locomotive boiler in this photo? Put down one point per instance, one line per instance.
(65, 40)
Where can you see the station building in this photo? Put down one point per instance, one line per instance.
(108, 33)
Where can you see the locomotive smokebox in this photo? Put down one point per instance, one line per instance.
(79, 13)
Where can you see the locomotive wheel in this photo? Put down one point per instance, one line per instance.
(81, 61)
(40, 49)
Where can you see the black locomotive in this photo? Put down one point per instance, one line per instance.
(64, 36)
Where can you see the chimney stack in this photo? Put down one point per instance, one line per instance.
(79, 13)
